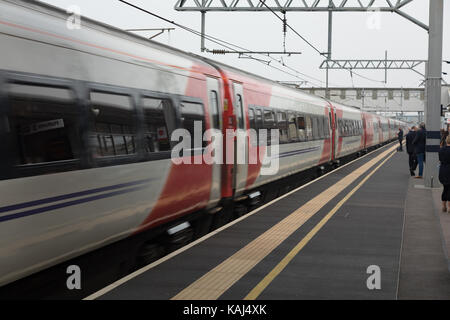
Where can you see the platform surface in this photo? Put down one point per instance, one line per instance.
(315, 243)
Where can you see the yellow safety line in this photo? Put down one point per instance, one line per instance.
(150, 266)
(214, 283)
(256, 291)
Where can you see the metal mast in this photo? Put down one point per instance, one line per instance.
(433, 92)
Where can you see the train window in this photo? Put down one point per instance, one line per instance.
(251, 118)
(112, 100)
(156, 133)
(326, 128)
(330, 124)
(115, 130)
(240, 112)
(39, 92)
(259, 119)
(268, 118)
(191, 113)
(43, 124)
(320, 127)
(315, 128)
(309, 128)
(281, 116)
(282, 126)
(269, 123)
(215, 112)
(301, 124)
(292, 127)
(252, 122)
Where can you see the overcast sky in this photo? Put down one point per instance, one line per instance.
(355, 36)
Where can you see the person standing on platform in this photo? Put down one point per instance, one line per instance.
(419, 143)
(444, 135)
(400, 138)
(444, 172)
(410, 149)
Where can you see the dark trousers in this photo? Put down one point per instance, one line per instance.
(400, 142)
(446, 193)
(412, 161)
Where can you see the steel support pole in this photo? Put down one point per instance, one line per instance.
(385, 64)
(330, 33)
(433, 92)
(202, 44)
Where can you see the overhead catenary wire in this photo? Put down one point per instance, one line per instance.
(227, 45)
(263, 2)
(267, 55)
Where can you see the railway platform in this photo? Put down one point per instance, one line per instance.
(367, 230)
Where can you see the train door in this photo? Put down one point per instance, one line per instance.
(376, 129)
(215, 120)
(389, 129)
(330, 110)
(240, 145)
(364, 121)
(380, 130)
(333, 126)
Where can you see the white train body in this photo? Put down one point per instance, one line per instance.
(85, 118)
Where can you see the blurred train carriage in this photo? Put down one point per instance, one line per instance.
(86, 118)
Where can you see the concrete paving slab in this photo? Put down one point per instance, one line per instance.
(424, 270)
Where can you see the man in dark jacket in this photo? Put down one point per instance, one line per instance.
(419, 144)
(400, 138)
(410, 149)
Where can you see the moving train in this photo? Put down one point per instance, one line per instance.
(86, 116)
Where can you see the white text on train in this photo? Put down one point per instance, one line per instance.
(242, 147)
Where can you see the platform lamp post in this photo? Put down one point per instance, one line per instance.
(433, 92)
